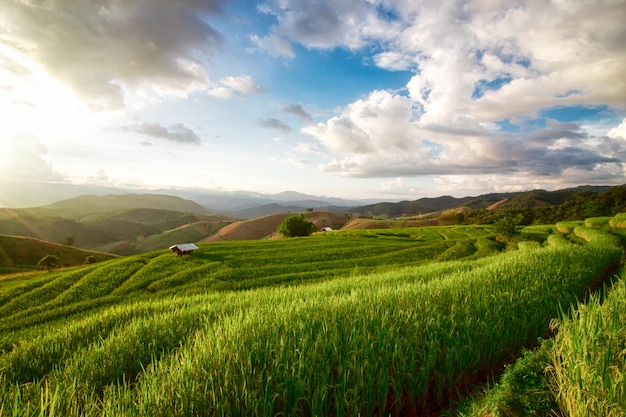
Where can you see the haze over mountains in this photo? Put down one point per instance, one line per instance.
(126, 224)
(248, 204)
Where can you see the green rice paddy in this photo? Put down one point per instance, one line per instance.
(355, 323)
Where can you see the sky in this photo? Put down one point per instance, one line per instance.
(369, 99)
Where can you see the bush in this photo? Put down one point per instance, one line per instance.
(49, 262)
(296, 226)
(507, 228)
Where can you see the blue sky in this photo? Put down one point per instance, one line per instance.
(355, 99)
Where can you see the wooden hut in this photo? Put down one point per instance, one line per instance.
(183, 248)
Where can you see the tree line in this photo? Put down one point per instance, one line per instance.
(584, 206)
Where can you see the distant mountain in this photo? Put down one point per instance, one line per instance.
(120, 224)
(235, 203)
(94, 204)
(266, 210)
(37, 194)
(525, 199)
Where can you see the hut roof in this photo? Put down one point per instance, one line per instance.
(184, 247)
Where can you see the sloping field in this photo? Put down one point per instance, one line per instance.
(265, 227)
(356, 224)
(23, 253)
(356, 323)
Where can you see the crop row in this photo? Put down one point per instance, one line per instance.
(216, 267)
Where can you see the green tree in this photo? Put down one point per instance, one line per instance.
(508, 227)
(69, 241)
(296, 226)
(49, 262)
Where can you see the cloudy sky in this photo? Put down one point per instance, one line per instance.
(355, 98)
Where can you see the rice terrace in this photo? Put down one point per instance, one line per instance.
(404, 321)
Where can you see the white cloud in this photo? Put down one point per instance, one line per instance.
(235, 86)
(242, 85)
(478, 63)
(99, 49)
(382, 136)
(324, 25)
(395, 61)
(274, 45)
(618, 132)
(396, 186)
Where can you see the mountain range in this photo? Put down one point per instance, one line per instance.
(124, 224)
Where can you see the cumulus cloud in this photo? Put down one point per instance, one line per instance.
(618, 132)
(235, 86)
(178, 133)
(273, 123)
(324, 24)
(478, 67)
(100, 48)
(382, 136)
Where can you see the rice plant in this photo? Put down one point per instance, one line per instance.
(408, 340)
(589, 357)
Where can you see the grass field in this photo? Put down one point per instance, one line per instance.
(21, 254)
(361, 322)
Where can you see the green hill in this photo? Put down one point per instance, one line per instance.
(510, 200)
(87, 206)
(120, 224)
(355, 322)
(23, 253)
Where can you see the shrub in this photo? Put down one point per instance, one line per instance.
(49, 262)
(296, 226)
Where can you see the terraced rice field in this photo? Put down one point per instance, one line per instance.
(355, 323)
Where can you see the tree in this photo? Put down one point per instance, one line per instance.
(296, 226)
(69, 241)
(49, 262)
(507, 227)
(90, 259)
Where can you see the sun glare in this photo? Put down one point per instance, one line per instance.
(32, 101)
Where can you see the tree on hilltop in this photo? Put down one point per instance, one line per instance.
(296, 226)
(49, 262)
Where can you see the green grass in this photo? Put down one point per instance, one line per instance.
(588, 372)
(21, 254)
(346, 323)
(581, 372)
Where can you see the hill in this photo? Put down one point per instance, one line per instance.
(119, 224)
(511, 200)
(92, 205)
(23, 254)
(243, 204)
(266, 226)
